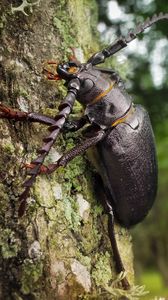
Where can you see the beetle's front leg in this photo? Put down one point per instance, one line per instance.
(11, 114)
(36, 168)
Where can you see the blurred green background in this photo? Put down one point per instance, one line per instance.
(144, 66)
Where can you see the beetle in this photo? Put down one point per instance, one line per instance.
(120, 130)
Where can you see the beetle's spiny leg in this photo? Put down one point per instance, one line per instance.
(64, 110)
(97, 135)
(72, 126)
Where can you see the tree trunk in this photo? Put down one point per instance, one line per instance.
(60, 248)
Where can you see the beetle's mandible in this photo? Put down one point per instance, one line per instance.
(120, 130)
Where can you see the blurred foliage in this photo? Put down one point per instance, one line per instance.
(155, 285)
(151, 238)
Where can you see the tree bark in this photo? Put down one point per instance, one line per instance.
(60, 248)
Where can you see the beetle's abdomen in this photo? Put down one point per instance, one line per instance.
(130, 169)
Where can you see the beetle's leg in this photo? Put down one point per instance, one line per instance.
(104, 196)
(117, 258)
(98, 135)
(34, 117)
(69, 126)
(10, 114)
(122, 42)
(64, 110)
(36, 165)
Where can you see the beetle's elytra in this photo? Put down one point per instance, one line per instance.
(120, 130)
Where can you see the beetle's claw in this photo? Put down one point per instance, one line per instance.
(51, 76)
(42, 170)
(125, 284)
(4, 110)
(49, 71)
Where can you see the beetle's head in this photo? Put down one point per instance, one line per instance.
(68, 70)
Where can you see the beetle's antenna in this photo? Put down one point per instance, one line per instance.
(142, 26)
(122, 42)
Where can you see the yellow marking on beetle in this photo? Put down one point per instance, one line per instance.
(101, 95)
(123, 119)
(72, 70)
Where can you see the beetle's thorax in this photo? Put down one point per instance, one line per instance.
(93, 84)
(104, 100)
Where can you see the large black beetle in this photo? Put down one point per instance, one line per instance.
(120, 130)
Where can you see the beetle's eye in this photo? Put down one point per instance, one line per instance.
(72, 70)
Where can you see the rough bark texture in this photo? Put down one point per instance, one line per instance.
(60, 248)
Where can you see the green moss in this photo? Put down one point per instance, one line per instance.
(71, 213)
(9, 244)
(2, 20)
(43, 192)
(91, 236)
(9, 148)
(85, 14)
(74, 174)
(16, 296)
(4, 198)
(67, 20)
(63, 24)
(102, 271)
(31, 273)
(23, 92)
(62, 90)
(84, 259)
(48, 111)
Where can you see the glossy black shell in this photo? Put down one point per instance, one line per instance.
(129, 168)
(111, 106)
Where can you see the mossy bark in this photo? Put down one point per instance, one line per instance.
(60, 248)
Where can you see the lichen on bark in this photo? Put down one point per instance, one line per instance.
(60, 249)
